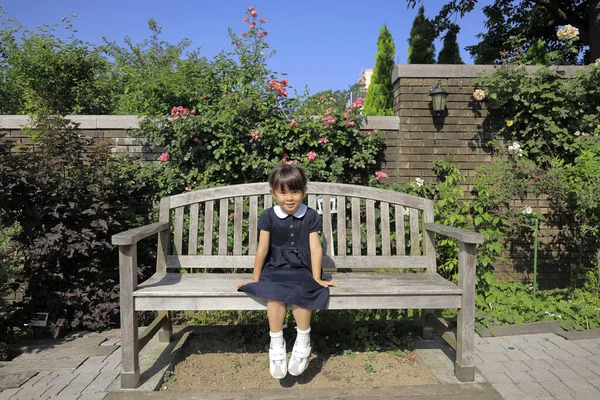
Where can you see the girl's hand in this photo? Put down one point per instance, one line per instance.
(327, 283)
(239, 285)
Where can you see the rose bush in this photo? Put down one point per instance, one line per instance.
(245, 122)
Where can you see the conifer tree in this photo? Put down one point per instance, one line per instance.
(379, 99)
(450, 53)
(420, 43)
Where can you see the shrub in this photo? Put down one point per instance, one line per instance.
(68, 204)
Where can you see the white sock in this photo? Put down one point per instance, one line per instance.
(303, 338)
(276, 339)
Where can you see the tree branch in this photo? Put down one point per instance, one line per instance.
(566, 17)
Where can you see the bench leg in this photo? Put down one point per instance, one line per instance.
(166, 332)
(465, 330)
(426, 330)
(130, 365)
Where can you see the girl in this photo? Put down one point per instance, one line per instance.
(287, 267)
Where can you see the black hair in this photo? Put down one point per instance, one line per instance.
(289, 176)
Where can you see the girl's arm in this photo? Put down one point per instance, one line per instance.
(316, 259)
(261, 255)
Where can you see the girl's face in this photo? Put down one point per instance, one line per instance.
(289, 200)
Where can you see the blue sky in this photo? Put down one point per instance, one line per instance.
(322, 44)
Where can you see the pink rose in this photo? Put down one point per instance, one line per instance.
(187, 189)
(285, 156)
(254, 13)
(259, 35)
(239, 43)
(380, 175)
(263, 20)
(265, 33)
(244, 34)
(246, 19)
(323, 140)
(252, 25)
(254, 135)
(250, 8)
(368, 133)
(195, 140)
(164, 157)
(311, 155)
(293, 123)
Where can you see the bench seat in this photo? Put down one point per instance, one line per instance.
(216, 291)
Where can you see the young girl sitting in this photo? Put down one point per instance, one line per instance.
(287, 267)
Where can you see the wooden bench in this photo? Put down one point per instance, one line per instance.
(364, 229)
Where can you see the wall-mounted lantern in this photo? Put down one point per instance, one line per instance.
(438, 97)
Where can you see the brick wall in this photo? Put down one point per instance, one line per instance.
(463, 134)
(414, 139)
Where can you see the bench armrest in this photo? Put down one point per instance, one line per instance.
(461, 235)
(135, 235)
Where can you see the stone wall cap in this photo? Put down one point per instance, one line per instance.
(441, 71)
(382, 123)
(85, 121)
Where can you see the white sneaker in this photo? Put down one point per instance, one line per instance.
(278, 362)
(299, 358)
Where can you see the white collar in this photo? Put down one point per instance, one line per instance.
(298, 214)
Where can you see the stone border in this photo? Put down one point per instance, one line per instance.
(85, 121)
(89, 122)
(458, 71)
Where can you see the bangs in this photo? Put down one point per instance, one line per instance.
(291, 177)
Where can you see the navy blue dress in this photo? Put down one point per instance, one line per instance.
(287, 273)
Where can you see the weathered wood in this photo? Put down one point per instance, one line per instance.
(351, 284)
(268, 201)
(356, 246)
(208, 226)
(442, 329)
(371, 243)
(178, 231)
(465, 327)
(238, 217)
(327, 228)
(415, 244)
(462, 235)
(253, 226)
(151, 330)
(330, 262)
(164, 236)
(376, 302)
(384, 208)
(400, 240)
(312, 201)
(166, 331)
(193, 235)
(223, 215)
(429, 238)
(314, 188)
(130, 367)
(164, 292)
(135, 235)
(341, 226)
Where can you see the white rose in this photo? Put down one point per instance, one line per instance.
(479, 94)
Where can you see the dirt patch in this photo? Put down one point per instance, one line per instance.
(212, 362)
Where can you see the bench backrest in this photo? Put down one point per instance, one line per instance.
(358, 221)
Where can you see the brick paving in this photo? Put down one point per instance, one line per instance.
(530, 366)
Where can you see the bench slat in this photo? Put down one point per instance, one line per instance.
(400, 240)
(327, 229)
(371, 244)
(330, 262)
(341, 225)
(237, 226)
(356, 247)
(178, 234)
(414, 232)
(193, 237)
(268, 201)
(351, 284)
(208, 226)
(374, 302)
(312, 201)
(253, 225)
(385, 228)
(223, 215)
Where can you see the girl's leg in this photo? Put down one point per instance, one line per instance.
(301, 350)
(277, 354)
(302, 317)
(275, 314)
